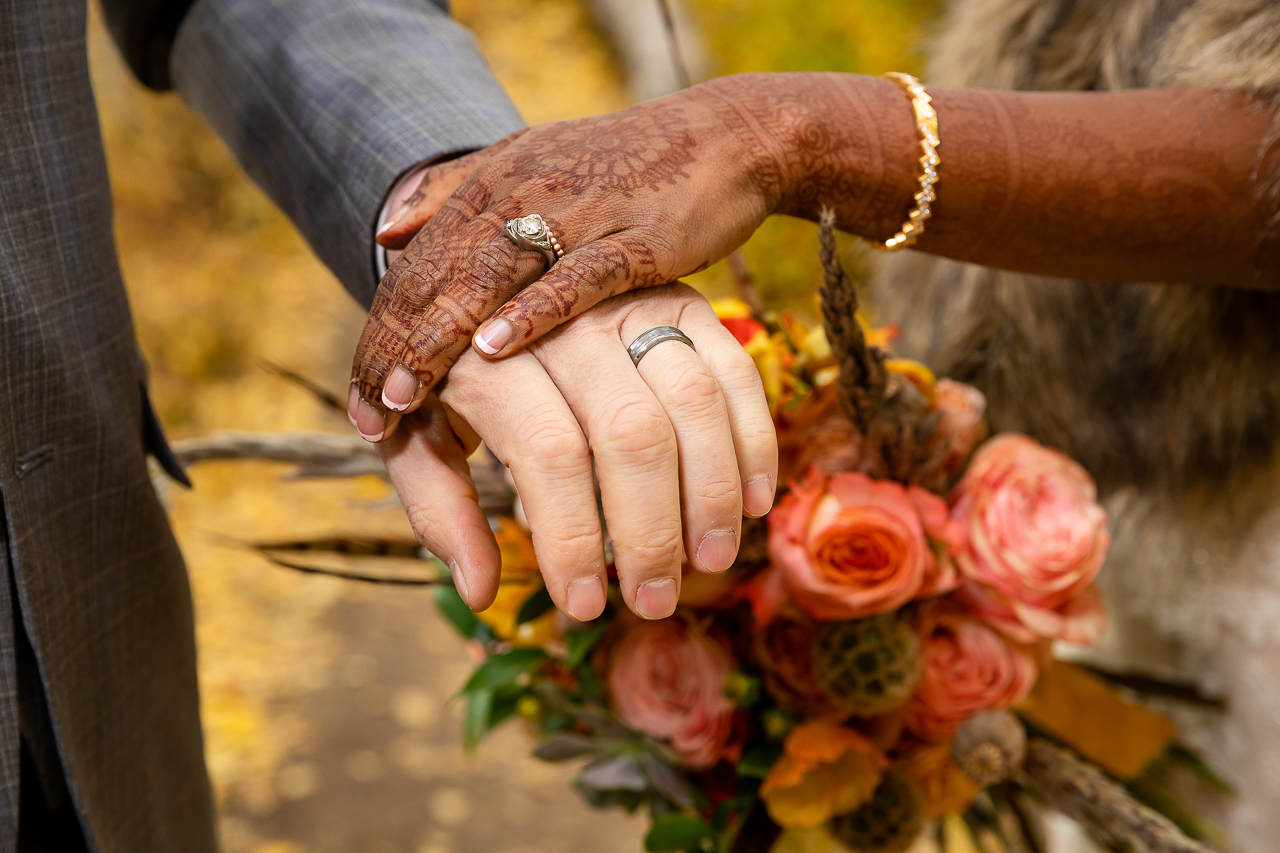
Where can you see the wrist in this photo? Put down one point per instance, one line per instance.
(850, 143)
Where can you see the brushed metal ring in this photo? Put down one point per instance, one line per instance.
(650, 339)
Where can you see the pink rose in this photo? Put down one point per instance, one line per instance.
(1081, 620)
(1036, 532)
(961, 409)
(850, 546)
(967, 667)
(667, 680)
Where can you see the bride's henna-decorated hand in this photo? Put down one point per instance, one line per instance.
(1106, 186)
(637, 198)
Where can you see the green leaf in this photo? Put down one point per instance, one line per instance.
(580, 642)
(759, 760)
(676, 832)
(453, 608)
(534, 606)
(505, 702)
(476, 725)
(503, 670)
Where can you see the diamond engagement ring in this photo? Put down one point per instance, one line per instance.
(650, 339)
(531, 232)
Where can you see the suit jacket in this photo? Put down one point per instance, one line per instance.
(326, 103)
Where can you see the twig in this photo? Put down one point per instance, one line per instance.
(1084, 793)
(1181, 691)
(326, 454)
(745, 283)
(353, 576)
(677, 58)
(324, 395)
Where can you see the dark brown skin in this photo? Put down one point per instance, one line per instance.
(1143, 185)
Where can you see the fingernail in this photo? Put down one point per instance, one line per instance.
(353, 401)
(656, 599)
(757, 496)
(585, 598)
(398, 393)
(494, 336)
(370, 423)
(459, 581)
(717, 550)
(387, 226)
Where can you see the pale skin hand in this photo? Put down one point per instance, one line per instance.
(678, 443)
(1143, 185)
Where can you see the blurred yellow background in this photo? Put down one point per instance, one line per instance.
(326, 704)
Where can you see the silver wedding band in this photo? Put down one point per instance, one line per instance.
(650, 339)
(531, 233)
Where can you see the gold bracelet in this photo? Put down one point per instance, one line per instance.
(927, 123)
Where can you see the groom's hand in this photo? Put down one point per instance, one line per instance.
(678, 444)
(636, 198)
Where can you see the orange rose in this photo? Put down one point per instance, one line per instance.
(1036, 532)
(968, 667)
(850, 546)
(667, 680)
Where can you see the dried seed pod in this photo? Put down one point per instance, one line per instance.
(867, 666)
(990, 746)
(889, 823)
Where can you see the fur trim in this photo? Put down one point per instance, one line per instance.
(1163, 386)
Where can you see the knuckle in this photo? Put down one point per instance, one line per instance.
(657, 548)
(553, 438)
(717, 489)
(633, 426)
(694, 387)
(570, 542)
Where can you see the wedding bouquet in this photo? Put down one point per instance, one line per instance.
(847, 682)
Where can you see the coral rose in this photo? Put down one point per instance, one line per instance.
(667, 680)
(1036, 532)
(850, 546)
(968, 667)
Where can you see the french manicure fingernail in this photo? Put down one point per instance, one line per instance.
(370, 423)
(717, 550)
(757, 496)
(459, 581)
(353, 402)
(657, 598)
(585, 598)
(398, 393)
(494, 336)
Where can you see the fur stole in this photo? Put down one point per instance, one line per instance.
(1172, 388)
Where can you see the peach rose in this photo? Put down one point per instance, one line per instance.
(849, 546)
(1036, 532)
(968, 667)
(667, 680)
(961, 409)
(1081, 620)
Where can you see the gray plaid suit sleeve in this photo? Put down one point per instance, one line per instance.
(327, 102)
